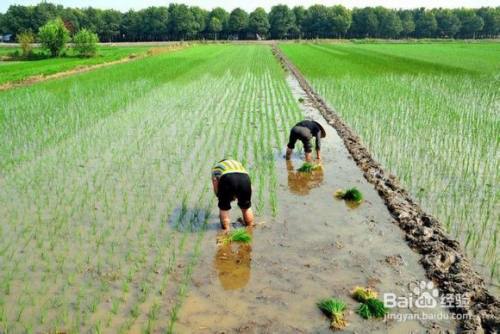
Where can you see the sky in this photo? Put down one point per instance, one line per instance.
(124, 5)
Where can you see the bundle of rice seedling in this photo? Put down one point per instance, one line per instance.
(372, 308)
(352, 194)
(238, 235)
(363, 294)
(308, 167)
(334, 309)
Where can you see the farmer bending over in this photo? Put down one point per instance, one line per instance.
(231, 181)
(304, 131)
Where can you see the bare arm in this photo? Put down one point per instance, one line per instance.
(215, 185)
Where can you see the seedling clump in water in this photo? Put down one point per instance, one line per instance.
(238, 235)
(352, 194)
(308, 167)
(363, 294)
(334, 309)
(370, 306)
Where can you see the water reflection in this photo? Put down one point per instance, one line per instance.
(302, 183)
(232, 262)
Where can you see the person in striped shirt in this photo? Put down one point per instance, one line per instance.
(231, 181)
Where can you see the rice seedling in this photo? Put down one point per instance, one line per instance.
(430, 120)
(351, 194)
(363, 294)
(119, 178)
(237, 235)
(308, 167)
(334, 309)
(372, 308)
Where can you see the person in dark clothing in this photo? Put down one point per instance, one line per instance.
(304, 131)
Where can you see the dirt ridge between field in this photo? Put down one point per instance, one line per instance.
(442, 257)
(87, 68)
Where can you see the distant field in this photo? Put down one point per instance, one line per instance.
(430, 114)
(19, 70)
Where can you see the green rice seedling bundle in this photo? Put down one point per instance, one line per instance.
(370, 306)
(238, 235)
(363, 294)
(309, 167)
(334, 309)
(351, 194)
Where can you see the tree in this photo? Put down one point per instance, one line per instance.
(448, 23)
(86, 43)
(425, 23)
(258, 22)
(91, 19)
(316, 23)
(131, 26)
(215, 26)
(339, 20)
(471, 23)
(26, 39)
(238, 22)
(154, 23)
(491, 19)
(282, 21)
(181, 22)
(365, 22)
(54, 36)
(389, 23)
(407, 23)
(200, 18)
(44, 12)
(2, 23)
(18, 19)
(300, 14)
(108, 27)
(222, 16)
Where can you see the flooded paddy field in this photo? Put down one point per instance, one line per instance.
(315, 247)
(428, 114)
(109, 223)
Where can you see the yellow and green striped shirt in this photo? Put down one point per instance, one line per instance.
(227, 166)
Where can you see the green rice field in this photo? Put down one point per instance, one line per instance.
(105, 193)
(103, 208)
(20, 70)
(430, 114)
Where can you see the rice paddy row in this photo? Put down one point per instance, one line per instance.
(429, 114)
(102, 207)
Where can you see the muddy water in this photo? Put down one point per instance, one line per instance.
(316, 247)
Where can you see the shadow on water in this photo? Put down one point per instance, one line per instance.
(301, 183)
(185, 219)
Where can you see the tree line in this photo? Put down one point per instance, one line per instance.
(182, 22)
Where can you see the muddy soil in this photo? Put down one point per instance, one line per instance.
(316, 247)
(442, 257)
